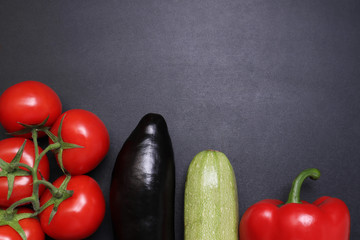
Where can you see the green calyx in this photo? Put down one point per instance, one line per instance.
(294, 196)
(58, 196)
(61, 145)
(27, 128)
(12, 219)
(12, 170)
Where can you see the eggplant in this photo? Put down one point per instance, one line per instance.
(142, 191)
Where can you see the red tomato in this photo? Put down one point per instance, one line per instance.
(28, 102)
(31, 227)
(22, 184)
(78, 216)
(83, 128)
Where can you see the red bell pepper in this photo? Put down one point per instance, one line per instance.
(325, 219)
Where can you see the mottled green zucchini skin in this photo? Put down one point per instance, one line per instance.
(211, 200)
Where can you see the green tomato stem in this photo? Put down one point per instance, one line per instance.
(25, 166)
(48, 185)
(45, 151)
(34, 199)
(34, 136)
(9, 215)
(50, 135)
(23, 201)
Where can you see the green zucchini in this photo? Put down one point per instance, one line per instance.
(211, 200)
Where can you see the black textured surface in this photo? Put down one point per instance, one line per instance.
(275, 85)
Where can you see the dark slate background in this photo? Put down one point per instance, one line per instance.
(275, 85)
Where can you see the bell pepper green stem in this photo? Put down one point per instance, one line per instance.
(294, 196)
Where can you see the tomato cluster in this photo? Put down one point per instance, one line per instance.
(73, 206)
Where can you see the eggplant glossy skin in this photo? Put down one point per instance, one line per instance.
(142, 191)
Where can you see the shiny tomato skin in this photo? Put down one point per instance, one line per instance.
(28, 102)
(31, 226)
(85, 129)
(80, 215)
(22, 184)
